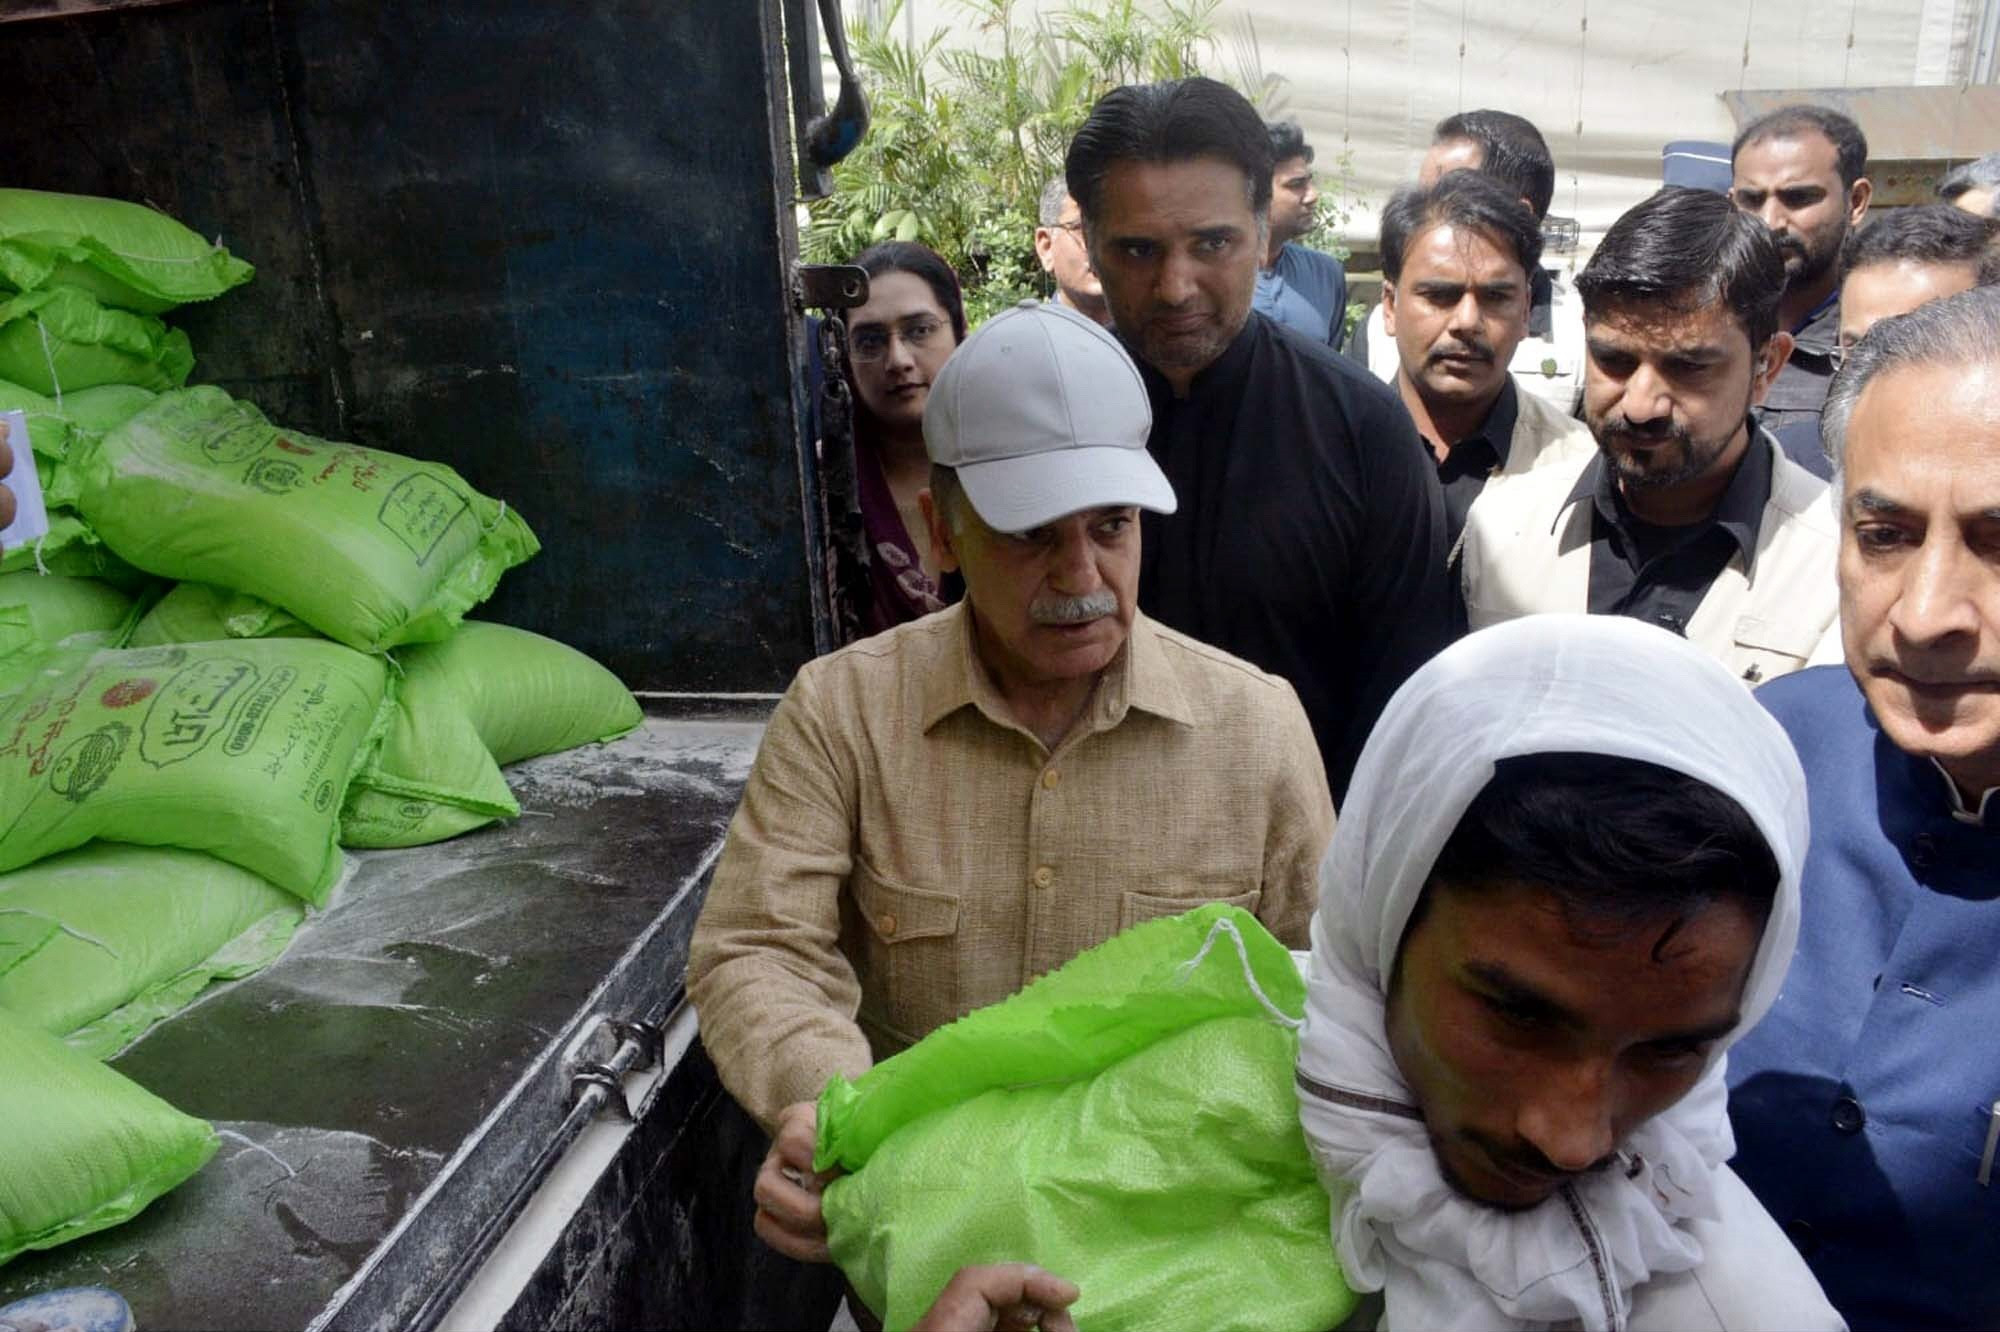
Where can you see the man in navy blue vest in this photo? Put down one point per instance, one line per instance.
(1867, 1104)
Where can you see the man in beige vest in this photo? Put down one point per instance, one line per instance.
(1457, 258)
(945, 811)
(1688, 516)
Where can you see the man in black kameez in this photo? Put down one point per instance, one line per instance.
(1310, 537)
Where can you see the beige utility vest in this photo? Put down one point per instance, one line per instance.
(1527, 550)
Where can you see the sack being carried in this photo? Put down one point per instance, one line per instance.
(371, 549)
(1128, 1121)
(243, 750)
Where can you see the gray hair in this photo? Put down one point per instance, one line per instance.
(1053, 194)
(1958, 330)
(1981, 173)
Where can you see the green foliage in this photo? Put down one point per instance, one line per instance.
(965, 134)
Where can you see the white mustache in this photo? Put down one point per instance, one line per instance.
(1074, 610)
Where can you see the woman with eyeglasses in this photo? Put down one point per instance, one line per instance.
(896, 344)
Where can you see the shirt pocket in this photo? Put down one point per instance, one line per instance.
(1766, 649)
(910, 964)
(1137, 908)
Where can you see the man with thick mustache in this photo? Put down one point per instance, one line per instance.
(1457, 259)
(945, 811)
(1689, 516)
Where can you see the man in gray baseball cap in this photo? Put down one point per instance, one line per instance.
(943, 812)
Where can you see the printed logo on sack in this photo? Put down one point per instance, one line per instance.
(243, 732)
(193, 708)
(420, 509)
(127, 692)
(323, 798)
(275, 476)
(88, 764)
(235, 441)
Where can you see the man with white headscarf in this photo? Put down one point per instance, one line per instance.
(1565, 880)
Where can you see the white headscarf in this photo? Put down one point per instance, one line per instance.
(1541, 684)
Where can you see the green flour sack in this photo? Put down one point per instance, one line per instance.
(204, 613)
(1128, 1121)
(371, 549)
(125, 254)
(61, 340)
(243, 750)
(98, 944)
(58, 608)
(86, 1148)
(488, 695)
(105, 407)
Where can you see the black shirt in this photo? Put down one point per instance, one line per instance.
(1470, 461)
(1660, 574)
(1310, 535)
(1800, 388)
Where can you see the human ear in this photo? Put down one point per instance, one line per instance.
(1857, 200)
(1388, 307)
(1776, 352)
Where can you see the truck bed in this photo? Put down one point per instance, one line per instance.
(389, 1083)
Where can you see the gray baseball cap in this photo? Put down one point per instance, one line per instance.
(1042, 413)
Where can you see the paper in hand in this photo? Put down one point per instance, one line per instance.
(31, 515)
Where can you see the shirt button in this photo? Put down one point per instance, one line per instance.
(1051, 779)
(1848, 1116)
(1044, 876)
(1923, 851)
(887, 923)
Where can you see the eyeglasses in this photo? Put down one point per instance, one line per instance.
(872, 342)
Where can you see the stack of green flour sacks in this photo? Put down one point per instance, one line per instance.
(238, 649)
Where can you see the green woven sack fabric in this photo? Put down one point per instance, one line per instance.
(60, 608)
(243, 750)
(85, 1147)
(490, 694)
(60, 340)
(99, 943)
(105, 407)
(125, 254)
(204, 613)
(371, 549)
(48, 427)
(1128, 1121)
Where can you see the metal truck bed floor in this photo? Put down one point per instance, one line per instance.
(407, 1042)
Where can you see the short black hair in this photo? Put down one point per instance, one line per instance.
(1175, 121)
(1619, 842)
(1511, 150)
(1686, 249)
(1980, 173)
(1459, 199)
(1926, 234)
(1850, 145)
(918, 261)
(1288, 140)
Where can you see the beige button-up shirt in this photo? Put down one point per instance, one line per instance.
(905, 852)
